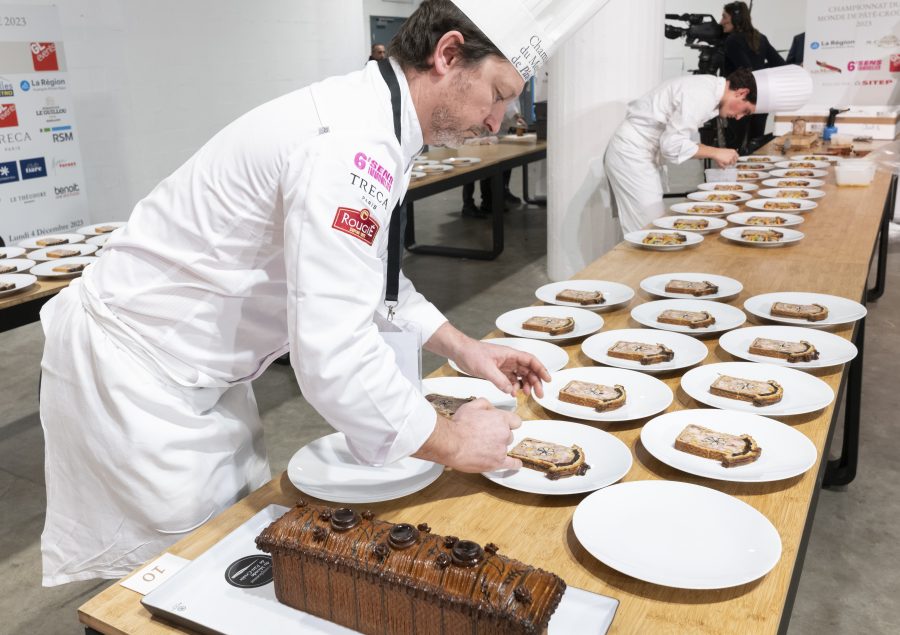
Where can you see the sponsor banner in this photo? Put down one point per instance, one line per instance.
(853, 52)
(42, 187)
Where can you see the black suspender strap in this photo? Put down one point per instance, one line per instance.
(395, 249)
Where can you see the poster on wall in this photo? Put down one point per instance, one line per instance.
(41, 177)
(853, 52)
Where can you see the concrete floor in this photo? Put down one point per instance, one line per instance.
(851, 570)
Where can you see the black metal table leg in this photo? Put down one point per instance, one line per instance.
(842, 471)
(538, 200)
(883, 235)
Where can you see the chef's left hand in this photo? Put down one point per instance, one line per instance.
(505, 367)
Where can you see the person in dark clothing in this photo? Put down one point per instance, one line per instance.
(745, 47)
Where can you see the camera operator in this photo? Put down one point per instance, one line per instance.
(745, 47)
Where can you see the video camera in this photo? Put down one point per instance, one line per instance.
(702, 34)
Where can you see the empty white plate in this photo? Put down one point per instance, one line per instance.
(550, 355)
(80, 249)
(465, 387)
(21, 280)
(704, 209)
(644, 395)
(637, 239)
(656, 285)
(326, 469)
(723, 186)
(802, 392)
(609, 458)
(712, 223)
(11, 252)
(727, 316)
(586, 322)
(32, 243)
(797, 181)
(415, 175)
(785, 451)
(833, 349)
(462, 161)
(792, 173)
(805, 205)
(785, 192)
(743, 218)
(46, 269)
(91, 230)
(687, 350)
(677, 534)
(802, 165)
(20, 265)
(615, 293)
(711, 197)
(840, 310)
(788, 236)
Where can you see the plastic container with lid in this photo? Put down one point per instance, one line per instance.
(859, 172)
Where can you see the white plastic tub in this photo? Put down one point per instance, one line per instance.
(857, 172)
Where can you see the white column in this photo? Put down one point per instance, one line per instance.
(616, 57)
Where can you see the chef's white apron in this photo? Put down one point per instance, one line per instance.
(155, 459)
(635, 173)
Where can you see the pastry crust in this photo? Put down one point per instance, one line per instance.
(70, 268)
(646, 354)
(50, 242)
(731, 450)
(601, 398)
(693, 319)
(581, 297)
(555, 460)
(694, 288)
(793, 352)
(808, 312)
(446, 405)
(759, 393)
(62, 253)
(551, 325)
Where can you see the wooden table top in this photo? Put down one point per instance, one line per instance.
(833, 258)
(489, 154)
(42, 288)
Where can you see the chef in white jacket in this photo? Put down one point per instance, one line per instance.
(274, 237)
(662, 127)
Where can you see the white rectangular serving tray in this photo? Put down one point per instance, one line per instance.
(200, 598)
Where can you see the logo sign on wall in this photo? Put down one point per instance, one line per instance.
(42, 187)
(853, 52)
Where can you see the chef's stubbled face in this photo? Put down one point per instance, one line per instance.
(472, 101)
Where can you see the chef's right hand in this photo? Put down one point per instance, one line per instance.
(725, 157)
(475, 440)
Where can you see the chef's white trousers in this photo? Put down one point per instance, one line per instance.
(636, 183)
(133, 461)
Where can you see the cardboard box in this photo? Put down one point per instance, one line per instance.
(878, 122)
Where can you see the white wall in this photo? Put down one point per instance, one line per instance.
(152, 81)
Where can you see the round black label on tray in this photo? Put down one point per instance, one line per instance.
(249, 572)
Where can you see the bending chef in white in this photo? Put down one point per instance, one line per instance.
(662, 126)
(273, 237)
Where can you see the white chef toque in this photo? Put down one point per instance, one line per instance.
(528, 31)
(782, 88)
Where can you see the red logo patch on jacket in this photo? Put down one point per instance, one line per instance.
(358, 223)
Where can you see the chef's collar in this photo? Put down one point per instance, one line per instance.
(411, 137)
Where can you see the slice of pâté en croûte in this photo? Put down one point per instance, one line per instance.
(646, 354)
(691, 287)
(446, 405)
(555, 460)
(551, 325)
(759, 393)
(581, 297)
(730, 449)
(597, 396)
(692, 319)
(808, 312)
(793, 352)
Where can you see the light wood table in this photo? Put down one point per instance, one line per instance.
(833, 258)
(24, 307)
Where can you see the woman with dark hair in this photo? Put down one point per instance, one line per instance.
(745, 47)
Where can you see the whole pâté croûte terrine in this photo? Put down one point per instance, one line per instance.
(382, 578)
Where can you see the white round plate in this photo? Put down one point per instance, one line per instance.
(656, 285)
(83, 249)
(645, 395)
(636, 239)
(609, 458)
(826, 158)
(802, 392)
(785, 451)
(840, 310)
(778, 192)
(751, 175)
(424, 160)
(677, 534)
(326, 469)
(788, 236)
(91, 230)
(434, 168)
(807, 182)
(727, 316)
(45, 269)
(759, 158)
(462, 161)
(833, 349)
(685, 208)
(550, 355)
(11, 252)
(705, 197)
(465, 387)
(586, 322)
(21, 264)
(415, 174)
(783, 173)
(668, 222)
(741, 218)
(752, 166)
(712, 187)
(21, 280)
(688, 350)
(805, 205)
(615, 293)
(31, 243)
(792, 165)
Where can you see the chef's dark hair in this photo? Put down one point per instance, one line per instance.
(743, 78)
(740, 19)
(415, 41)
